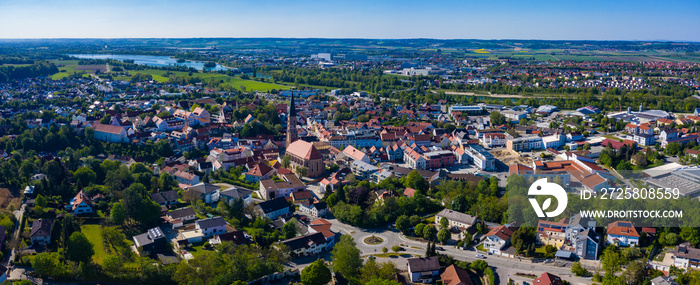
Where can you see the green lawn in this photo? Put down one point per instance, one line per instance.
(94, 234)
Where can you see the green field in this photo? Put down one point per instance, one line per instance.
(94, 234)
(65, 67)
(251, 85)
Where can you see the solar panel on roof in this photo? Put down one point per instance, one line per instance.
(626, 225)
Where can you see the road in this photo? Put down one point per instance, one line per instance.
(504, 267)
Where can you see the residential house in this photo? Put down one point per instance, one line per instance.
(587, 244)
(454, 275)
(212, 226)
(259, 172)
(269, 189)
(423, 269)
(578, 224)
(551, 233)
(273, 208)
(177, 218)
(492, 140)
(153, 239)
(81, 204)
(456, 219)
(207, 192)
(236, 192)
(663, 280)
(686, 257)
(236, 237)
(186, 178)
(306, 245)
(313, 209)
(548, 279)
(41, 231)
(323, 226)
(497, 239)
(622, 233)
(165, 198)
(301, 196)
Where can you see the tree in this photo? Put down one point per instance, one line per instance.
(415, 180)
(429, 232)
(85, 176)
(444, 235)
(578, 270)
(317, 273)
(289, 229)
(460, 203)
(112, 264)
(403, 224)
(444, 223)
(385, 250)
(118, 213)
(497, 118)
(396, 248)
(479, 265)
(49, 265)
(79, 248)
(40, 201)
(346, 258)
(418, 230)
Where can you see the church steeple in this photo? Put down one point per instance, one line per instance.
(292, 110)
(291, 121)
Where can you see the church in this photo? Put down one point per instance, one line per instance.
(302, 154)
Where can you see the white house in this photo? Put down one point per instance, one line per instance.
(313, 209)
(81, 204)
(423, 269)
(207, 192)
(212, 226)
(456, 219)
(497, 239)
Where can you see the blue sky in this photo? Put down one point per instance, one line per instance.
(677, 20)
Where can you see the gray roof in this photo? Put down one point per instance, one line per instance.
(236, 192)
(457, 216)
(204, 188)
(182, 212)
(211, 222)
(41, 227)
(422, 264)
(663, 280)
(165, 196)
(686, 251)
(273, 205)
(148, 237)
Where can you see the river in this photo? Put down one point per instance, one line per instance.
(150, 60)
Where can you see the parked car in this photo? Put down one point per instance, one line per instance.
(481, 256)
(440, 248)
(549, 261)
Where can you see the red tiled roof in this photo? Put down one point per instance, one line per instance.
(304, 149)
(409, 192)
(548, 279)
(616, 228)
(107, 128)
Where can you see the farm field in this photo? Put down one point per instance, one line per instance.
(65, 67)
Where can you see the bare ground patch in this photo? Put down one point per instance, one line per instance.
(511, 157)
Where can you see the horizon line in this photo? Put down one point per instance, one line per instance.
(350, 38)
